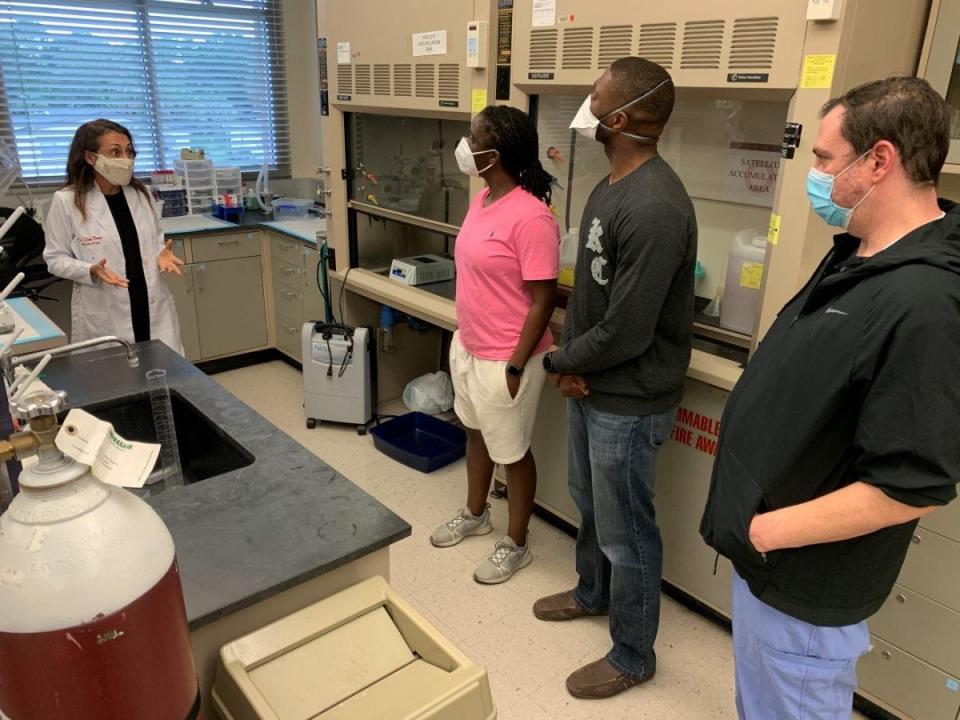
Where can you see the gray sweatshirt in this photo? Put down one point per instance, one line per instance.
(629, 323)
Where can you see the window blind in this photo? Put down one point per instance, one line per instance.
(177, 73)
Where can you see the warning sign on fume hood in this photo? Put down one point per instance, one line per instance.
(544, 13)
(430, 43)
(751, 176)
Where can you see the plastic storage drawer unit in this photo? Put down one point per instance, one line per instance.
(362, 654)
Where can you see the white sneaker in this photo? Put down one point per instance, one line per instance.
(503, 562)
(463, 525)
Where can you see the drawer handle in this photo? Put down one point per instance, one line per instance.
(289, 246)
(901, 598)
(292, 330)
(886, 654)
(291, 295)
(291, 271)
(917, 539)
(235, 241)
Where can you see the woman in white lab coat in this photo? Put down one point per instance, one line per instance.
(103, 234)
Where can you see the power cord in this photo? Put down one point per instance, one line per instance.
(342, 288)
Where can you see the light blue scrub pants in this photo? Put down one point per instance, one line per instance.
(788, 669)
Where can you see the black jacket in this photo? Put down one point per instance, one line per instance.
(857, 380)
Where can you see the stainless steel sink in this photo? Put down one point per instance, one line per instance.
(205, 450)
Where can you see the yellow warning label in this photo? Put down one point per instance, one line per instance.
(479, 100)
(773, 232)
(817, 71)
(751, 275)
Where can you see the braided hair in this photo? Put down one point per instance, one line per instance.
(514, 134)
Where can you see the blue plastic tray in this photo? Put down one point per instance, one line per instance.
(420, 441)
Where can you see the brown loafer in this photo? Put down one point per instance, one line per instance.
(561, 606)
(600, 679)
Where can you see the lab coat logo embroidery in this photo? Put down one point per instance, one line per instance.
(593, 243)
(91, 239)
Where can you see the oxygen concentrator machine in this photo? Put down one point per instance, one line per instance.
(338, 374)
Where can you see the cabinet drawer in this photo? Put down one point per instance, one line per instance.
(921, 627)
(288, 303)
(910, 685)
(224, 247)
(932, 568)
(288, 337)
(290, 251)
(945, 521)
(286, 274)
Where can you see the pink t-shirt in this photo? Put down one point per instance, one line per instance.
(499, 248)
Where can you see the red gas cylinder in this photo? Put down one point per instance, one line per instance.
(92, 620)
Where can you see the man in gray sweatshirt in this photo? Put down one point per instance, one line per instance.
(622, 361)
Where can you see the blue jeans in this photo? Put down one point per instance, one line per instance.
(612, 462)
(789, 669)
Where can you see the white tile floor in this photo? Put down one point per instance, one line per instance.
(527, 660)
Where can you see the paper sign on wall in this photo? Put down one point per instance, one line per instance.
(478, 100)
(751, 275)
(343, 53)
(773, 232)
(817, 71)
(544, 13)
(430, 43)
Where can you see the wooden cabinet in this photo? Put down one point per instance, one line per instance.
(181, 287)
(230, 306)
(219, 297)
(296, 295)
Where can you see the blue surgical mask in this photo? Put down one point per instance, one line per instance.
(820, 194)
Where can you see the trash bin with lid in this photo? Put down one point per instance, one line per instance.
(362, 654)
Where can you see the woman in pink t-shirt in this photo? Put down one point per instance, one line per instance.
(507, 256)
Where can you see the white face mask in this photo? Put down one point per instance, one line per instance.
(466, 160)
(586, 123)
(117, 171)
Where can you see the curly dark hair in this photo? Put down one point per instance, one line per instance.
(514, 135)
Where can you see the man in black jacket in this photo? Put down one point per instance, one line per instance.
(856, 389)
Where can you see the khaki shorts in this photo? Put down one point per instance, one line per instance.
(482, 401)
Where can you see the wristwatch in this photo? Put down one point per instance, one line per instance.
(514, 370)
(548, 363)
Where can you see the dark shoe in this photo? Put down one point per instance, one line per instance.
(561, 606)
(600, 679)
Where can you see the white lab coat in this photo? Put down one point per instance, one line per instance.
(74, 244)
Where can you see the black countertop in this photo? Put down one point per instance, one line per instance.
(250, 533)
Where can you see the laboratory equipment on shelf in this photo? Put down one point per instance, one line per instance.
(102, 630)
(338, 374)
(422, 270)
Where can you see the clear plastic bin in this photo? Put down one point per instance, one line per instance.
(291, 208)
(229, 180)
